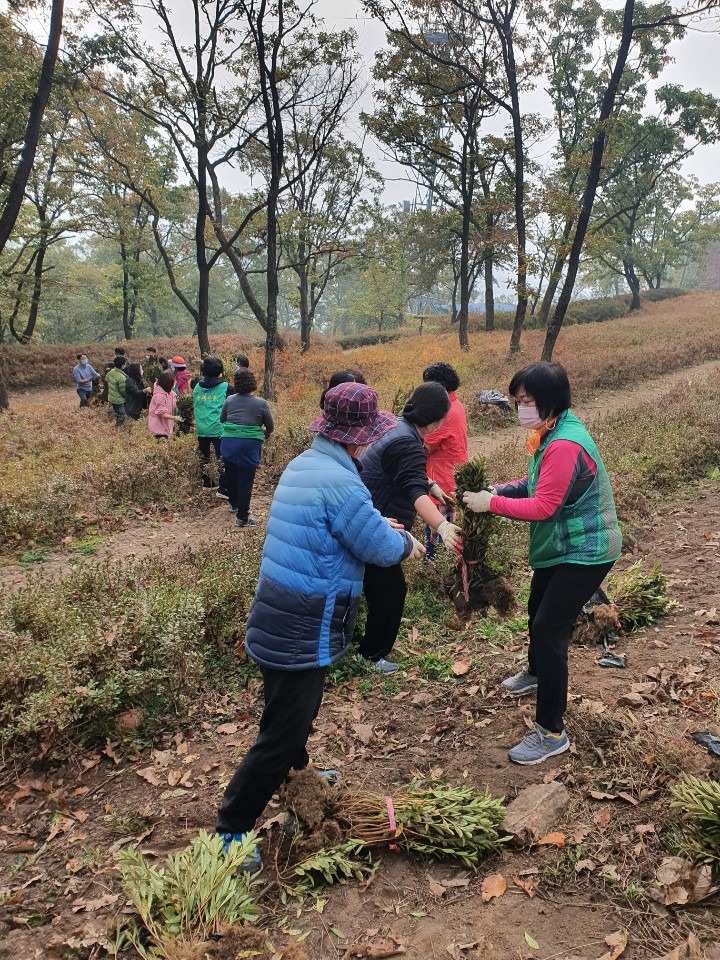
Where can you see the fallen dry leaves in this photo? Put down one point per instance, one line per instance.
(494, 885)
(618, 944)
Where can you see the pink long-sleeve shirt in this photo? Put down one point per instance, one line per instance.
(566, 472)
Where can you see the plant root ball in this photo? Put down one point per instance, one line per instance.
(485, 590)
(599, 622)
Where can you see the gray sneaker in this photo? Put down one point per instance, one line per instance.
(538, 745)
(520, 684)
(384, 666)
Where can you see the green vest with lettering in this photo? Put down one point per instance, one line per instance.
(585, 532)
(207, 407)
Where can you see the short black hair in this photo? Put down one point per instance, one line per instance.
(548, 385)
(80, 355)
(341, 376)
(119, 351)
(119, 362)
(212, 367)
(133, 371)
(245, 381)
(242, 361)
(426, 404)
(442, 373)
(150, 350)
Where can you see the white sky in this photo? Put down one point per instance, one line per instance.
(695, 64)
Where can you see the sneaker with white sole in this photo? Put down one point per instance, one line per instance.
(221, 495)
(520, 684)
(250, 522)
(539, 745)
(384, 666)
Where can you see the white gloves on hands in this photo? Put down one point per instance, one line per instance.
(449, 533)
(477, 502)
(437, 491)
(418, 550)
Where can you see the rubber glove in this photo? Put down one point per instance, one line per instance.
(449, 533)
(418, 549)
(437, 491)
(477, 502)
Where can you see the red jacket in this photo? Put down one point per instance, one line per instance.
(447, 447)
(182, 381)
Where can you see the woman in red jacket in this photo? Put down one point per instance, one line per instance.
(447, 447)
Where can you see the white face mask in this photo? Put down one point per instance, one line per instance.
(529, 418)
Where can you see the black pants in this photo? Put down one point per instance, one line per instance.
(205, 445)
(557, 596)
(385, 591)
(239, 482)
(84, 396)
(292, 701)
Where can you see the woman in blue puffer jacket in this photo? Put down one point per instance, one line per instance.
(322, 531)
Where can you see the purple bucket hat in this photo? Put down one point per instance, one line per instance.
(351, 415)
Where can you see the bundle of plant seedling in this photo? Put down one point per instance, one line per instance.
(696, 834)
(641, 596)
(190, 899)
(431, 820)
(476, 584)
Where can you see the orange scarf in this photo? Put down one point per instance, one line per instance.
(537, 436)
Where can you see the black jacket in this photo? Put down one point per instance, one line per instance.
(394, 469)
(135, 398)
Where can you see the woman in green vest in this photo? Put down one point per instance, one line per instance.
(247, 423)
(209, 396)
(574, 541)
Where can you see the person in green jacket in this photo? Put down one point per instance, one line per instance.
(209, 396)
(116, 384)
(574, 541)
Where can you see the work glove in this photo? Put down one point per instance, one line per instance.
(437, 491)
(449, 533)
(418, 550)
(477, 502)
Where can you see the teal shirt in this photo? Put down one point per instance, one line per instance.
(586, 532)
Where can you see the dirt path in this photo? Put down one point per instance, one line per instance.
(178, 530)
(604, 404)
(63, 823)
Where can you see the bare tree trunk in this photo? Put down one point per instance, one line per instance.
(489, 291)
(633, 283)
(464, 282)
(554, 278)
(26, 336)
(16, 191)
(592, 181)
(4, 402)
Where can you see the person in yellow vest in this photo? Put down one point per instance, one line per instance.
(574, 541)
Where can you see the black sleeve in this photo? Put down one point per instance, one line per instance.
(405, 462)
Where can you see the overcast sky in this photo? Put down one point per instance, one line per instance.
(695, 64)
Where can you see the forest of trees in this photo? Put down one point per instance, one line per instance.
(221, 179)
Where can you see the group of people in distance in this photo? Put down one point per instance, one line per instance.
(230, 422)
(340, 524)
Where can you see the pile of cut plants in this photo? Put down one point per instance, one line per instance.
(338, 830)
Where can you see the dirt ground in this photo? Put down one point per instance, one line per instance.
(63, 822)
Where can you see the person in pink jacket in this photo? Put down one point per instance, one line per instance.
(161, 418)
(182, 375)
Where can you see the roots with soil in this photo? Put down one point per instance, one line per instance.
(475, 585)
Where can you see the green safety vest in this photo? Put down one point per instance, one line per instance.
(585, 532)
(207, 407)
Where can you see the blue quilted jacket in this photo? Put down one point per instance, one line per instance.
(322, 531)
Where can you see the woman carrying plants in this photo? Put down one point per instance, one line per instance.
(395, 471)
(209, 396)
(247, 422)
(447, 447)
(574, 541)
(135, 391)
(321, 531)
(161, 412)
